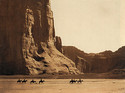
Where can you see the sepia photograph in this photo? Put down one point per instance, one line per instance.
(62, 46)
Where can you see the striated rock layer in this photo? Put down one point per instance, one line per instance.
(27, 39)
(96, 62)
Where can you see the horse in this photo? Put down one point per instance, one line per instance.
(24, 81)
(73, 81)
(19, 81)
(41, 81)
(32, 81)
(80, 81)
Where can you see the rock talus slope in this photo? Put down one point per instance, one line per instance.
(27, 39)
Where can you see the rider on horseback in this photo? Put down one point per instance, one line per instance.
(32, 81)
(41, 81)
(19, 81)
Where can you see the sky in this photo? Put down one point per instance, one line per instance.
(90, 25)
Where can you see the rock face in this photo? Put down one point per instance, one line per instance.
(82, 64)
(96, 63)
(27, 39)
(58, 44)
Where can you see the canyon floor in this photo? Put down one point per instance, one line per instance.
(63, 86)
(108, 75)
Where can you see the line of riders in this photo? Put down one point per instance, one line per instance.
(42, 81)
(75, 81)
(32, 81)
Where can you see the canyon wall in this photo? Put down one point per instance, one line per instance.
(96, 62)
(27, 39)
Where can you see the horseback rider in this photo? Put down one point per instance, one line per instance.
(24, 81)
(32, 81)
(19, 81)
(80, 81)
(41, 81)
(72, 81)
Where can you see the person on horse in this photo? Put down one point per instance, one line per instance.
(19, 81)
(32, 81)
(41, 81)
(80, 81)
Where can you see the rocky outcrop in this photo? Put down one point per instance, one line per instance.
(72, 52)
(27, 39)
(82, 64)
(58, 44)
(96, 62)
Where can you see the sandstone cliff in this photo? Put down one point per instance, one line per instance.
(27, 39)
(58, 44)
(96, 62)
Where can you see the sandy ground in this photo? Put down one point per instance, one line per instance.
(63, 86)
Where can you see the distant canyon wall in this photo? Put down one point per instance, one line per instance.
(96, 62)
(27, 39)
